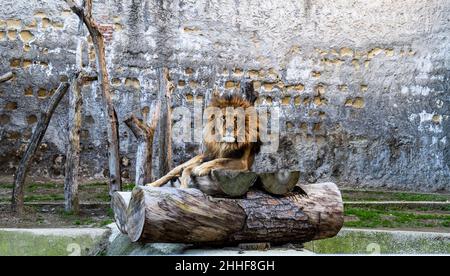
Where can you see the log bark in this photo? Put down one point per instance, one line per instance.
(144, 134)
(166, 88)
(33, 145)
(190, 216)
(119, 204)
(71, 197)
(6, 77)
(85, 15)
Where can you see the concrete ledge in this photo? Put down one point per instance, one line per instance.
(52, 242)
(109, 241)
(366, 241)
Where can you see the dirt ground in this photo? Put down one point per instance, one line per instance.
(45, 206)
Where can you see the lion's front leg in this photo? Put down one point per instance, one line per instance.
(176, 172)
(186, 175)
(221, 163)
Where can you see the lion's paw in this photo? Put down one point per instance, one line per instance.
(201, 171)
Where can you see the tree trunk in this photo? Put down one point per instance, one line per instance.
(71, 198)
(144, 134)
(85, 15)
(165, 124)
(35, 141)
(190, 216)
(6, 77)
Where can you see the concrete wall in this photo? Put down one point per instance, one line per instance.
(363, 85)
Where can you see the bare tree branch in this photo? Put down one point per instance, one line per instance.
(36, 139)
(85, 15)
(144, 134)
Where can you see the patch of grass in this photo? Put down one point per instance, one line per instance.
(105, 222)
(128, 187)
(353, 195)
(6, 186)
(375, 218)
(33, 187)
(420, 197)
(84, 221)
(43, 198)
(110, 212)
(103, 197)
(95, 185)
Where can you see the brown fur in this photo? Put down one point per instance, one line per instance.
(238, 155)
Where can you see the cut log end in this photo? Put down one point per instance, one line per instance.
(225, 183)
(279, 183)
(135, 220)
(119, 203)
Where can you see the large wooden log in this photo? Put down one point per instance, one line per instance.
(189, 216)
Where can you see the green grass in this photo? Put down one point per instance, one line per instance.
(128, 187)
(6, 186)
(420, 197)
(44, 198)
(33, 187)
(103, 197)
(351, 195)
(375, 218)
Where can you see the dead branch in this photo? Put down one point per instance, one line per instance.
(73, 150)
(144, 134)
(38, 134)
(85, 15)
(166, 88)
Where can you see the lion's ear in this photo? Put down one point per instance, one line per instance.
(248, 90)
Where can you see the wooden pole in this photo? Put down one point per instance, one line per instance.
(85, 15)
(38, 134)
(73, 150)
(189, 216)
(144, 134)
(166, 88)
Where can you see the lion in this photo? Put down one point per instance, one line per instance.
(230, 141)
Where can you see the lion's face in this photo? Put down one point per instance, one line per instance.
(231, 125)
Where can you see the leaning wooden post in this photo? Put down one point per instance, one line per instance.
(38, 134)
(166, 88)
(85, 15)
(144, 134)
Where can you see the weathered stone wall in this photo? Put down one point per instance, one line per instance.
(363, 85)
